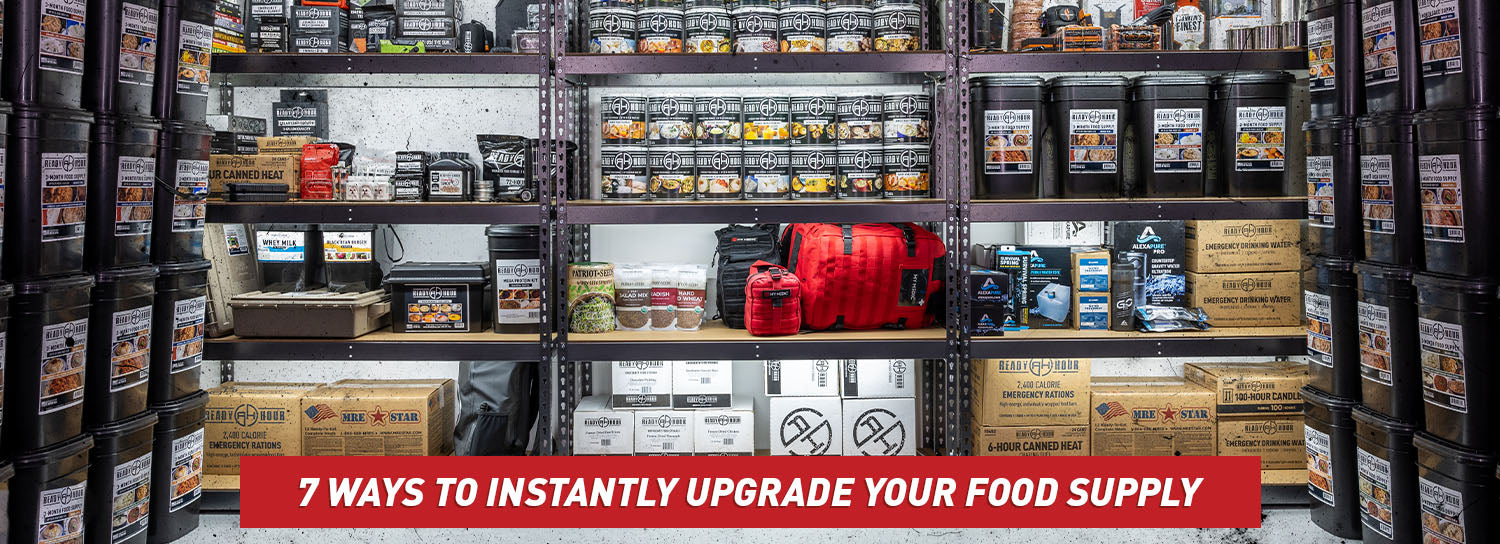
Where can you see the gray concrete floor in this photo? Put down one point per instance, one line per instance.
(1289, 525)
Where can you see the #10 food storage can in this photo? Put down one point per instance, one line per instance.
(803, 28)
(670, 120)
(672, 173)
(1456, 323)
(1390, 364)
(718, 119)
(766, 120)
(721, 172)
(859, 119)
(767, 172)
(906, 117)
(908, 170)
(1332, 470)
(1458, 492)
(612, 30)
(849, 28)
(814, 171)
(659, 30)
(812, 120)
(897, 28)
(707, 30)
(1459, 226)
(622, 119)
(622, 173)
(755, 29)
(1331, 318)
(861, 171)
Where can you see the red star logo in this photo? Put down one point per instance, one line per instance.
(378, 417)
(1168, 414)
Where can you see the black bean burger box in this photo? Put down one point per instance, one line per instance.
(439, 297)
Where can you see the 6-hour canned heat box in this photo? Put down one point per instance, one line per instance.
(1030, 441)
(640, 384)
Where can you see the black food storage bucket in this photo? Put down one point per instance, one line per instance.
(439, 297)
(6, 292)
(515, 254)
(1389, 362)
(47, 494)
(1331, 462)
(1170, 112)
(349, 258)
(1333, 32)
(101, 56)
(46, 218)
(138, 54)
(119, 491)
(1329, 301)
(1249, 111)
(1455, 46)
(46, 359)
(120, 330)
(122, 180)
(289, 257)
(1457, 324)
(44, 55)
(178, 317)
(177, 467)
(1088, 116)
(1392, 74)
(4, 145)
(1388, 504)
(1009, 118)
(187, 29)
(1333, 216)
(182, 202)
(1458, 195)
(1458, 491)
(1389, 189)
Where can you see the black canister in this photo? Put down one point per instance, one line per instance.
(721, 171)
(1387, 463)
(861, 171)
(440, 297)
(1457, 488)
(101, 56)
(1090, 117)
(177, 467)
(623, 173)
(859, 119)
(1170, 112)
(1392, 75)
(1454, 47)
(1334, 58)
(515, 254)
(1247, 154)
(135, 78)
(289, 257)
(178, 316)
(1333, 216)
(767, 120)
(46, 218)
(669, 120)
(767, 172)
(349, 257)
(120, 331)
(907, 117)
(1330, 312)
(672, 175)
(1390, 193)
(47, 494)
(813, 120)
(187, 29)
(1458, 198)
(182, 207)
(119, 492)
(122, 180)
(44, 55)
(1457, 320)
(1008, 118)
(1332, 470)
(622, 119)
(1389, 362)
(46, 358)
(815, 171)
(718, 119)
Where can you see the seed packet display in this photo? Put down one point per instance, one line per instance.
(130, 348)
(132, 498)
(1260, 139)
(187, 470)
(632, 297)
(1093, 140)
(187, 333)
(438, 307)
(63, 355)
(1178, 140)
(1008, 140)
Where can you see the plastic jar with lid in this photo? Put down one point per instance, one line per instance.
(1008, 116)
(1171, 113)
(1089, 119)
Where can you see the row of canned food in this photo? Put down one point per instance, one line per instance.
(765, 172)
(766, 120)
(744, 28)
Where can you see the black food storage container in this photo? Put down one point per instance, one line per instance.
(47, 353)
(44, 52)
(1392, 75)
(103, 46)
(439, 297)
(1249, 113)
(6, 292)
(1332, 481)
(122, 181)
(1329, 300)
(289, 256)
(1389, 362)
(178, 318)
(182, 200)
(1089, 118)
(187, 29)
(1458, 195)
(1333, 216)
(349, 258)
(1333, 32)
(46, 218)
(137, 57)
(515, 252)
(1170, 114)
(1455, 46)
(1387, 461)
(1389, 189)
(1458, 491)
(47, 494)
(120, 332)
(1008, 119)
(4, 145)
(1457, 324)
(177, 467)
(119, 492)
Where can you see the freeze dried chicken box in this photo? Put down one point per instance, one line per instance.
(252, 418)
(379, 417)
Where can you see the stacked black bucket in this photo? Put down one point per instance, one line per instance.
(101, 315)
(1401, 298)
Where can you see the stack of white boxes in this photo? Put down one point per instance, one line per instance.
(842, 407)
(666, 408)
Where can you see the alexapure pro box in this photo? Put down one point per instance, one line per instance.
(880, 426)
(802, 378)
(725, 431)
(1151, 416)
(640, 384)
(1031, 441)
(601, 430)
(1247, 299)
(1030, 392)
(702, 384)
(806, 425)
(252, 418)
(379, 417)
(1244, 246)
(879, 378)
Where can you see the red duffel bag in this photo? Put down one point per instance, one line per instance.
(773, 301)
(865, 276)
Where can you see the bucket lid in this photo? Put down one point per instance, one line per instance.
(513, 230)
(116, 429)
(1456, 115)
(170, 410)
(1171, 79)
(1327, 400)
(43, 286)
(1239, 78)
(188, 127)
(1009, 81)
(130, 273)
(136, 121)
(4, 107)
(1385, 118)
(6, 290)
(185, 267)
(52, 113)
(1386, 424)
(55, 453)
(1333, 263)
(6, 471)
(1334, 122)
(462, 272)
(1453, 452)
(1481, 287)
(1089, 81)
(1382, 271)
(351, 227)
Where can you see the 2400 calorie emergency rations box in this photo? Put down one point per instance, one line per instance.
(1030, 392)
(880, 426)
(803, 378)
(601, 430)
(379, 417)
(806, 425)
(252, 418)
(725, 431)
(879, 378)
(702, 384)
(640, 384)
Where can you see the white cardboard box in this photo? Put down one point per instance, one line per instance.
(880, 426)
(702, 384)
(879, 378)
(806, 426)
(802, 378)
(664, 432)
(640, 384)
(725, 431)
(600, 430)
(1063, 233)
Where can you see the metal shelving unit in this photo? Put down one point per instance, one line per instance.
(426, 213)
(380, 346)
(378, 63)
(1137, 209)
(596, 212)
(585, 64)
(1137, 61)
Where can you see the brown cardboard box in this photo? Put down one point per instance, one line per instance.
(1271, 387)
(1276, 439)
(1247, 299)
(252, 418)
(1244, 246)
(1059, 441)
(379, 417)
(226, 169)
(1025, 392)
(1151, 416)
(283, 145)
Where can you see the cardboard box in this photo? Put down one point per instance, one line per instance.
(802, 378)
(1063, 233)
(1248, 299)
(702, 384)
(880, 426)
(725, 431)
(283, 145)
(1152, 416)
(640, 384)
(601, 430)
(1156, 249)
(1278, 440)
(252, 418)
(1271, 387)
(1030, 392)
(1035, 441)
(1244, 246)
(379, 417)
(1093, 311)
(806, 425)
(1090, 289)
(226, 169)
(664, 432)
(879, 378)
(1049, 297)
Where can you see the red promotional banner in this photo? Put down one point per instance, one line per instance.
(750, 492)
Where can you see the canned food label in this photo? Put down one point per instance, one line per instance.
(1318, 308)
(623, 174)
(671, 174)
(190, 209)
(859, 120)
(908, 118)
(64, 350)
(907, 171)
(518, 291)
(193, 60)
(1178, 144)
(624, 118)
(803, 30)
(1260, 139)
(671, 120)
(718, 119)
(1093, 140)
(814, 172)
(708, 31)
(1442, 198)
(187, 333)
(61, 48)
(860, 172)
(64, 195)
(130, 348)
(132, 498)
(445, 183)
(766, 120)
(1008, 141)
(812, 120)
(755, 32)
(898, 29)
(660, 32)
(767, 172)
(1320, 36)
(1319, 465)
(348, 247)
(612, 33)
(187, 470)
(719, 172)
(236, 241)
(437, 308)
(137, 44)
(1381, 60)
(1442, 513)
(849, 30)
(136, 184)
(1320, 191)
(1375, 343)
(1378, 200)
(279, 246)
(1441, 51)
(1375, 492)
(1443, 372)
(59, 515)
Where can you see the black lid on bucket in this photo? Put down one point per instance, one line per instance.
(1337, 122)
(512, 230)
(1386, 118)
(49, 285)
(1382, 271)
(175, 414)
(404, 273)
(129, 273)
(1009, 81)
(1455, 124)
(1326, 407)
(1386, 424)
(1089, 81)
(116, 429)
(1472, 458)
(55, 453)
(1338, 264)
(1171, 79)
(1466, 286)
(186, 267)
(1240, 78)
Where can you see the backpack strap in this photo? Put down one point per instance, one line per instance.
(848, 238)
(911, 238)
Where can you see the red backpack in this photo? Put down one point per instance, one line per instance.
(866, 276)
(773, 301)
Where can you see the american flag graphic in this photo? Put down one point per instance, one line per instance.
(1110, 410)
(319, 412)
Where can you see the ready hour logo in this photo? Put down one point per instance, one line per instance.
(806, 431)
(879, 432)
